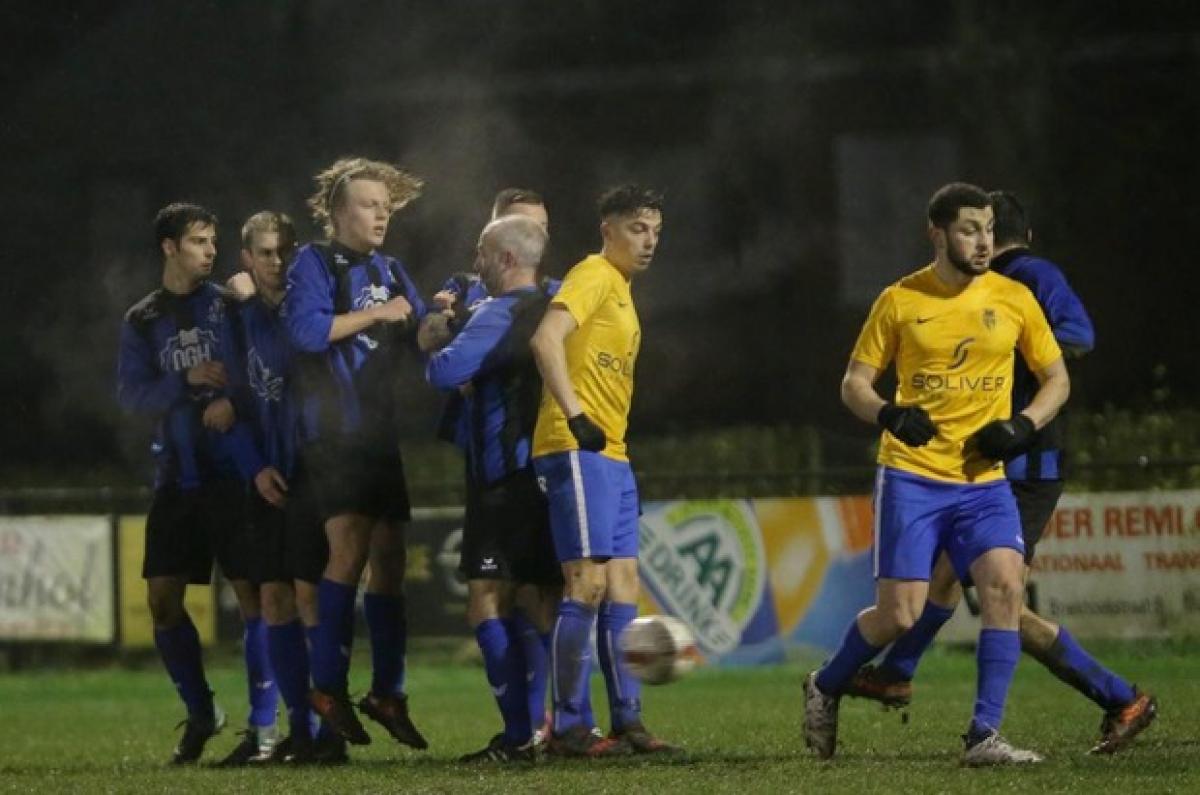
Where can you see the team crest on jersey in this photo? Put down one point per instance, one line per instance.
(216, 312)
(989, 319)
(371, 295)
(263, 383)
(186, 349)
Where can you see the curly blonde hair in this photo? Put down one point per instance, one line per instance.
(402, 187)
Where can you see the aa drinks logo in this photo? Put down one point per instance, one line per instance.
(704, 562)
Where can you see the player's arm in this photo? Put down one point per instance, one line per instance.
(1068, 319)
(141, 387)
(909, 424)
(470, 352)
(434, 332)
(1054, 389)
(550, 352)
(308, 308)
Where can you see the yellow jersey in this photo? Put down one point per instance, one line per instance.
(600, 357)
(954, 351)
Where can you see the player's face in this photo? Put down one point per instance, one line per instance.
(195, 251)
(535, 211)
(630, 240)
(267, 260)
(362, 219)
(968, 240)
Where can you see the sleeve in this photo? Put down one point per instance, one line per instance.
(308, 304)
(410, 292)
(243, 448)
(1036, 341)
(876, 345)
(469, 353)
(1068, 319)
(239, 439)
(141, 387)
(583, 291)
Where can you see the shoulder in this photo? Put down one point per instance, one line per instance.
(311, 256)
(147, 310)
(593, 269)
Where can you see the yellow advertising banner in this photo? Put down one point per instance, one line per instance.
(137, 630)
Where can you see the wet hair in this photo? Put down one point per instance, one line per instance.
(1012, 221)
(510, 196)
(173, 221)
(269, 221)
(949, 199)
(628, 200)
(402, 187)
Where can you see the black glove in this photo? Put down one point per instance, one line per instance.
(1005, 439)
(909, 424)
(587, 433)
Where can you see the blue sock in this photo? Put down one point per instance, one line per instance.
(570, 660)
(333, 636)
(905, 654)
(179, 648)
(839, 669)
(505, 668)
(388, 627)
(1067, 660)
(535, 647)
(585, 697)
(996, 659)
(260, 677)
(289, 658)
(624, 690)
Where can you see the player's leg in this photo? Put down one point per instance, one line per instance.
(987, 544)
(1127, 710)
(534, 612)
(910, 514)
(177, 552)
(891, 682)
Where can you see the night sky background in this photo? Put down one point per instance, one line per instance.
(796, 142)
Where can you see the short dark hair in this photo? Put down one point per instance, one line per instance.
(628, 200)
(1012, 221)
(949, 199)
(173, 221)
(510, 196)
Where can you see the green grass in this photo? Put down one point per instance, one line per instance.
(111, 730)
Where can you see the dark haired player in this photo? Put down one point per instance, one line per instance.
(1036, 478)
(178, 363)
(951, 329)
(585, 348)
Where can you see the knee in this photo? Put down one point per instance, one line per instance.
(166, 610)
(278, 604)
(1002, 592)
(586, 590)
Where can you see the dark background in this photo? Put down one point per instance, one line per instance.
(797, 143)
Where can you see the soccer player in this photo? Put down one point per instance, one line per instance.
(534, 616)
(951, 328)
(1036, 478)
(506, 535)
(177, 363)
(285, 533)
(585, 348)
(350, 311)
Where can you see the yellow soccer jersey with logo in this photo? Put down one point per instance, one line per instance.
(600, 357)
(954, 358)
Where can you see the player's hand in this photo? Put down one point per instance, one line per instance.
(397, 310)
(445, 300)
(242, 286)
(1005, 439)
(219, 415)
(909, 424)
(271, 485)
(210, 374)
(587, 433)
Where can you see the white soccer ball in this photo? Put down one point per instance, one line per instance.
(658, 649)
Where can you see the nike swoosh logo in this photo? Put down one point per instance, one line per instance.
(499, 692)
(921, 320)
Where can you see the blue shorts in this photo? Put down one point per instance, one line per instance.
(593, 505)
(917, 518)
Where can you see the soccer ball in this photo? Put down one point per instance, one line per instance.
(658, 649)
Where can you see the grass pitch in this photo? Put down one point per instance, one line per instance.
(111, 731)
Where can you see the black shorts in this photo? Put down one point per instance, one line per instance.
(186, 530)
(1036, 501)
(307, 546)
(358, 476)
(506, 533)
